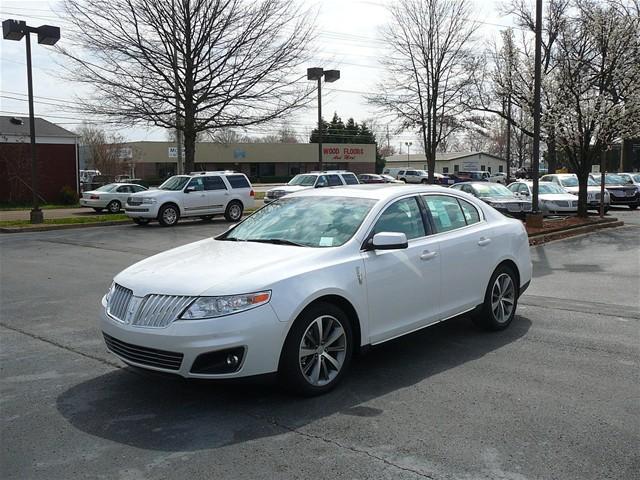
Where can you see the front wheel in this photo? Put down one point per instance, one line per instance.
(500, 300)
(169, 215)
(114, 206)
(317, 351)
(233, 212)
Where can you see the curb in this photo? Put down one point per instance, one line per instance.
(557, 234)
(45, 228)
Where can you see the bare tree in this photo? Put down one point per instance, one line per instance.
(104, 150)
(219, 63)
(429, 67)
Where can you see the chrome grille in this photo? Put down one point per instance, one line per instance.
(158, 311)
(118, 302)
(144, 355)
(562, 203)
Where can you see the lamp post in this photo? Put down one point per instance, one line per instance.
(535, 219)
(47, 35)
(408, 144)
(317, 73)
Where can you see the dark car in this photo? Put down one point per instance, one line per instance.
(621, 190)
(370, 178)
(498, 196)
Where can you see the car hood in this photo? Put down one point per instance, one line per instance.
(290, 188)
(553, 197)
(590, 189)
(153, 193)
(214, 267)
(504, 199)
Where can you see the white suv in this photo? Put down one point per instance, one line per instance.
(303, 181)
(199, 194)
(413, 176)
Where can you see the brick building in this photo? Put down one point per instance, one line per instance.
(260, 161)
(57, 165)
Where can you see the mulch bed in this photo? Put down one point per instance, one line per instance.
(563, 227)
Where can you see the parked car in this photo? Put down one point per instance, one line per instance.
(393, 171)
(569, 181)
(499, 177)
(389, 179)
(307, 281)
(111, 196)
(621, 190)
(498, 196)
(303, 181)
(552, 198)
(199, 194)
(632, 177)
(370, 178)
(413, 176)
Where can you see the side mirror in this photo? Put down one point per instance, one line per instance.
(389, 241)
(190, 189)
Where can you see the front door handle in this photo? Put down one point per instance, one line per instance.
(484, 241)
(427, 255)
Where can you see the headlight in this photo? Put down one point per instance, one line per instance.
(210, 307)
(148, 200)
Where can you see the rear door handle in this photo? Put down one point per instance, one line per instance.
(484, 241)
(427, 255)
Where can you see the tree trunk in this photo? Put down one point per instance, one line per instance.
(551, 153)
(189, 146)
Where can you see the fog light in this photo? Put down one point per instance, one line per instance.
(219, 362)
(232, 360)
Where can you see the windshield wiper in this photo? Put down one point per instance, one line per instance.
(275, 241)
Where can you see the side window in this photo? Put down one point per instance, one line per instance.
(137, 188)
(350, 179)
(470, 212)
(523, 189)
(446, 212)
(238, 181)
(124, 189)
(547, 178)
(401, 172)
(196, 183)
(403, 217)
(322, 181)
(334, 180)
(214, 183)
(412, 172)
(514, 187)
(468, 189)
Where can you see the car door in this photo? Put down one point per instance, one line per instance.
(217, 193)
(122, 193)
(194, 198)
(467, 251)
(403, 286)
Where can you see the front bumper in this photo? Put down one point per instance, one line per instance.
(620, 200)
(145, 210)
(258, 331)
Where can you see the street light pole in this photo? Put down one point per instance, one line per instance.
(408, 144)
(317, 73)
(536, 107)
(47, 35)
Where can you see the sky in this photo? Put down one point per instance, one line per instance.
(348, 37)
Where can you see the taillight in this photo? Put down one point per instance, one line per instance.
(252, 193)
(94, 197)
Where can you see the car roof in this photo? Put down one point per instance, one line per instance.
(376, 191)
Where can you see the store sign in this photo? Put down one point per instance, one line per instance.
(173, 152)
(343, 153)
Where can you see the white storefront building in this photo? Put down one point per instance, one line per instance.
(450, 162)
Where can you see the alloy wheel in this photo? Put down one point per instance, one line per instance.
(235, 212)
(169, 215)
(503, 296)
(322, 350)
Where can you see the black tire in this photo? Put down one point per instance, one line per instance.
(114, 206)
(169, 215)
(489, 317)
(98, 210)
(290, 371)
(633, 207)
(234, 211)
(403, 180)
(141, 221)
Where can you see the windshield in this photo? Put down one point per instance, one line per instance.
(636, 178)
(549, 188)
(611, 179)
(107, 188)
(491, 190)
(304, 221)
(174, 183)
(303, 180)
(573, 181)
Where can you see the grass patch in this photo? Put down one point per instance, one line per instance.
(66, 221)
(7, 207)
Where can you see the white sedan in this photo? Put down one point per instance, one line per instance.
(111, 196)
(552, 198)
(307, 281)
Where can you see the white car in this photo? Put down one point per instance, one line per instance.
(112, 196)
(552, 198)
(632, 178)
(569, 181)
(199, 194)
(499, 177)
(413, 176)
(305, 282)
(304, 181)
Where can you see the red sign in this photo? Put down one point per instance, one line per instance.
(346, 153)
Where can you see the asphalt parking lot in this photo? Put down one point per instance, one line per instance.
(556, 396)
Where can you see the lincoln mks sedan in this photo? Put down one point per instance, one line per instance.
(305, 283)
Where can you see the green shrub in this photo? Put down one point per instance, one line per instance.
(68, 195)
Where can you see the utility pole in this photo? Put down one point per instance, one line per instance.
(536, 219)
(180, 165)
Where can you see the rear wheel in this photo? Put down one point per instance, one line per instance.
(317, 351)
(233, 212)
(500, 300)
(114, 206)
(168, 215)
(141, 221)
